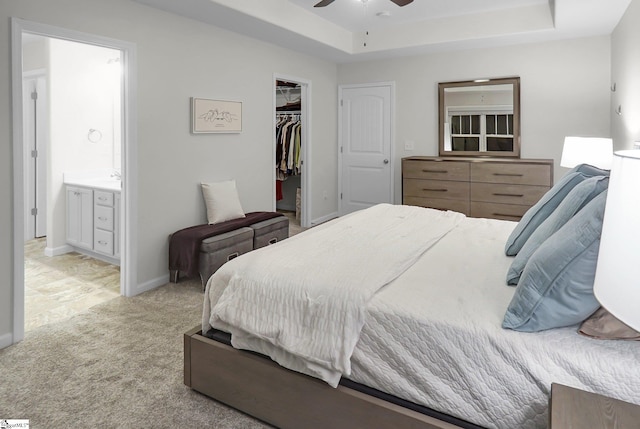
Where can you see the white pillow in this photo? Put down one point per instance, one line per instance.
(222, 201)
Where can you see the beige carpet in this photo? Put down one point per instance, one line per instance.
(116, 365)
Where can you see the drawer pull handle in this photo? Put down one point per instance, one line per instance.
(507, 215)
(508, 174)
(273, 240)
(424, 170)
(102, 243)
(434, 190)
(233, 256)
(102, 218)
(508, 195)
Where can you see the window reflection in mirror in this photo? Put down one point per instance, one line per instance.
(480, 118)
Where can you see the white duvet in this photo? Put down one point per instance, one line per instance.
(433, 335)
(303, 301)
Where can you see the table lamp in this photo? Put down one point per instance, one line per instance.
(617, 281)
(594, 151)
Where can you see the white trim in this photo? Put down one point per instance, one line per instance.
(392, 125)
(5, 340)
(152, 284)
(305, 180)
(57, 251)
(128, 272)
(324, 219)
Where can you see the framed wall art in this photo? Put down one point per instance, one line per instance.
(215, 116)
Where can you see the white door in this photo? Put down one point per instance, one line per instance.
(35, 134)
(366, 167)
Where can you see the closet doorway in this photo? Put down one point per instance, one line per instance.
(291, 149)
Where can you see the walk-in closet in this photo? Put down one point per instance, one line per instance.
(289, 147)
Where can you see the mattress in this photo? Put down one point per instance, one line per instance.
(433, 337)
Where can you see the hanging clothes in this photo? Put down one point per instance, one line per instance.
(288, 145)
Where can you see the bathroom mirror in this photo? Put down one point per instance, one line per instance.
(479, 117)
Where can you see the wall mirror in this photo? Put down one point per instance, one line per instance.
(480, 117)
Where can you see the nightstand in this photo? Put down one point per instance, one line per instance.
(576, 409)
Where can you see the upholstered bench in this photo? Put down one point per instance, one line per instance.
(203, 249)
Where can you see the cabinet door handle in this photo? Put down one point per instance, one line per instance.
(508, 195)
(102, 198)
(103, 243)
(102, 218)
(434, 190)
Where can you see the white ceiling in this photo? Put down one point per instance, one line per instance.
(356, 15)
(348, 30)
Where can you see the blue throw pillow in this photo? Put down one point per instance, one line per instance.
(575, 200)
(556, 287)
(540, 211)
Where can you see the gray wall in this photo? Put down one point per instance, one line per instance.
(564, 91)
(625, 72)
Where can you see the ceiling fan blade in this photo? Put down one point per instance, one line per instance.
(402, 2)
(324, 3)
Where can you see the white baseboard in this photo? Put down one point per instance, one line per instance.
(151, 284)
(57, 251)
(6, 340)
(324, 219)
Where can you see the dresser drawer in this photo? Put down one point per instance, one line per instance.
(520, 174)
(103, 217)
(497, 211)
(103, 241)
(507, 194)
(461, 206)
(445, 189)
(438, 170)
(103, 198)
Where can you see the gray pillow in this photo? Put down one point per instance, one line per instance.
(540, 211)
(575, 200)
(556, 287)
(589, 170)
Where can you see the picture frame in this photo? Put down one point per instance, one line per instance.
(215, 116)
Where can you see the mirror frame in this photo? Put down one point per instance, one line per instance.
(515, 81)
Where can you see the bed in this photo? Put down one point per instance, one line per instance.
(429, 349)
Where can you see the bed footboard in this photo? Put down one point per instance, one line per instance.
(284, 398)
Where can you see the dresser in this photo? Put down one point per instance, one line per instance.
(495, 188)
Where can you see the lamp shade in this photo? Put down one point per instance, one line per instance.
(594, 151)
(617, 281)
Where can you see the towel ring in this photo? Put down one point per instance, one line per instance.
(94, 135)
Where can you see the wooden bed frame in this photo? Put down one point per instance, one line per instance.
(284, 398)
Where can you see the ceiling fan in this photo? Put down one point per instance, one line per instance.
(324, 3)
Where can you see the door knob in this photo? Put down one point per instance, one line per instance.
(386, 161)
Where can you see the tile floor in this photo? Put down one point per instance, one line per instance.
(57, 288)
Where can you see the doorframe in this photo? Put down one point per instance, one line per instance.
(305, 155)
(128, 210)
(392, 128)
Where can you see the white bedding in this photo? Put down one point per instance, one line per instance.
(433, 336)
(303, 301)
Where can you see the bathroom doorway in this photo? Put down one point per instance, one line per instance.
(72, 104)
(89, 95)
